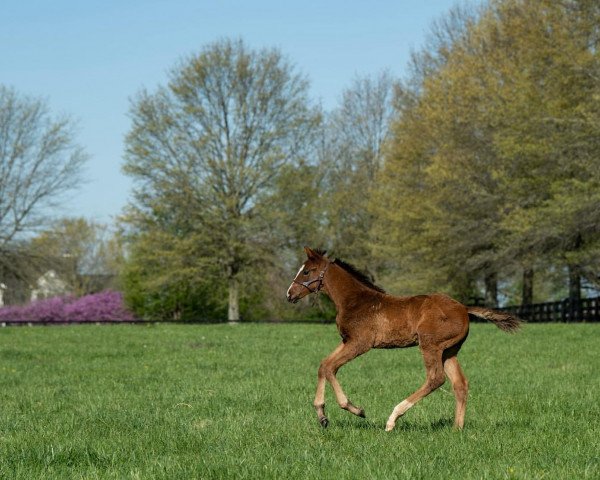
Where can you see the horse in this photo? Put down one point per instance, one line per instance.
(367, 317)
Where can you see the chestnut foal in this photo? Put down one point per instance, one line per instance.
(368, 318)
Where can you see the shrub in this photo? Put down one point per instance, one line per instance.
(107, 305)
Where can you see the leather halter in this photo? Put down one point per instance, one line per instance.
(310, 282)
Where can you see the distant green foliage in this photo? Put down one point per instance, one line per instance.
(493, 166)
(165, 279)
(477, 174)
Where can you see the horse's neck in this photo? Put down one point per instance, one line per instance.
(342, 287)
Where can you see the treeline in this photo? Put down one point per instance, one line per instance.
(477, 174)
(490, 186)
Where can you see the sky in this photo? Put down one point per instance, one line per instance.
(87, 59)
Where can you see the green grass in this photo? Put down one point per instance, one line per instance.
(219, 401)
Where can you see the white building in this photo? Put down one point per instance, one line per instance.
(48, 285)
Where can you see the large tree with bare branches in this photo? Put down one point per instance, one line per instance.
(39, 163)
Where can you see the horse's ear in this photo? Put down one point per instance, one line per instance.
(310, 253)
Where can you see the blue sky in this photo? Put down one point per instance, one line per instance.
(88, 58)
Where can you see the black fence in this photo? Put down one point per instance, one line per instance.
(585, 310)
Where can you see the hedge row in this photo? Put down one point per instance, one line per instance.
(104, 306)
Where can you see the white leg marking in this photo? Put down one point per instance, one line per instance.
(399, 410)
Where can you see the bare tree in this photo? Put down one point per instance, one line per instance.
(39, 163)
(357, 132)
(361, 123)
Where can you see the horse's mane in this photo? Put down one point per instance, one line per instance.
(356, 273)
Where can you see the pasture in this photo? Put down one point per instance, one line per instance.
(220, 401)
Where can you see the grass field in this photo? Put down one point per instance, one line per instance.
(220, 401)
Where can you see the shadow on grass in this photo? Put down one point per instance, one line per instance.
(359, 424)
(402, 426)
(437, 425)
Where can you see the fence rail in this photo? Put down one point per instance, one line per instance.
(585, 310)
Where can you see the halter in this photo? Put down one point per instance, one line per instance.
(318, 279)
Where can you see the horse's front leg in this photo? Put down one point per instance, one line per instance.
(329, 367)
(319, 402)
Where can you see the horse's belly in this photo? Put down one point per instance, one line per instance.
(393, 336)
(396, 343)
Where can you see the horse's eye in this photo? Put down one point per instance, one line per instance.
(305, 272)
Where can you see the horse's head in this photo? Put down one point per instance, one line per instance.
(309, 278)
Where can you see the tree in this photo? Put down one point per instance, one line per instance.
(434, 189)
(548, 129)
(206, 150)
(493, 165)
(83, 253)
(356, 132)
(171, 277)
(39, 163)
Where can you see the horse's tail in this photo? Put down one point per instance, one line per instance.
(504, 321)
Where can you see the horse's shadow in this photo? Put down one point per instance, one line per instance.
(358, 424)
(435, 426)
(366, 424)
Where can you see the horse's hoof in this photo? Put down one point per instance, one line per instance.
(361, 413)
(324, 422)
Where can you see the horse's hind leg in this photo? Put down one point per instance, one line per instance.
(329, 367)
(460, 385)
(435, 379)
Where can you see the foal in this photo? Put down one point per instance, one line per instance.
(368, 318)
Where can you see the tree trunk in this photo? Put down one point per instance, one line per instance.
(527, 295)
(574, 283)
(233, 314)
(575, 274)
(491, 290)
(574, 292)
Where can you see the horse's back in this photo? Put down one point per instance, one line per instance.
(419, 319)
